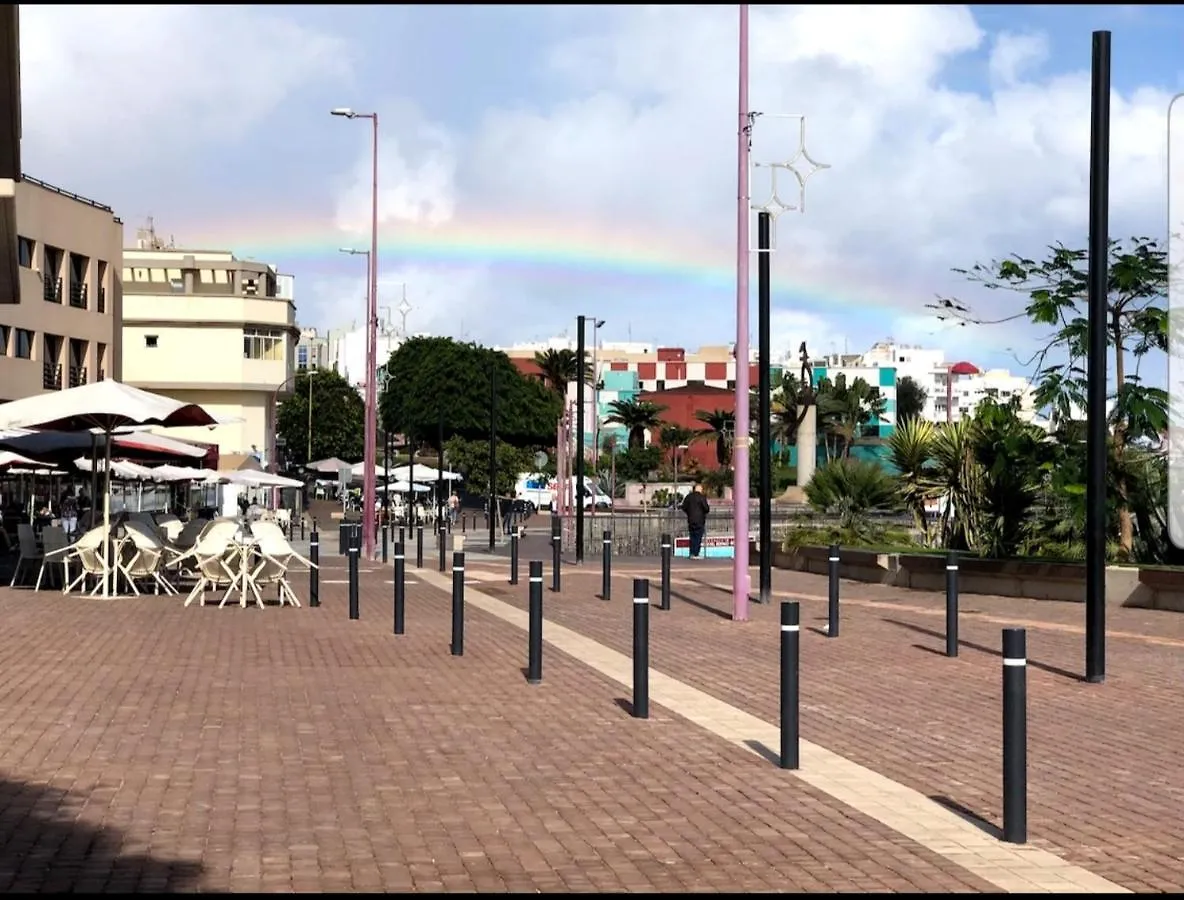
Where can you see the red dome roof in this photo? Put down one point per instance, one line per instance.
(964, 368)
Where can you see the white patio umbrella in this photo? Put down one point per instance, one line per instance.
(260, 479)
(402, 487)
(423, 474)
(106, 406)
(9, 459)
(330, 466)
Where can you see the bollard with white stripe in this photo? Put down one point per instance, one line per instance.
(385, 538)
(952, 604)
(314, 577)
(790, 640)
(641, 648)
(352, 552)
(514, 557)
(442, 537)
(606, 567)
(342, 538)
(458, 604)
(667, 552)
(534, 641)
(832, 606)
(556, 559)
(419, 547)
(1015, 736)
(400, 589)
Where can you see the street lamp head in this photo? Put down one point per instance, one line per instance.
(343, 111)
(352, 252)
(599, 322)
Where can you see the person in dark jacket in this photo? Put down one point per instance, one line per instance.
(696, 508)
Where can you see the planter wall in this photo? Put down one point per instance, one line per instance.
(1125, 586)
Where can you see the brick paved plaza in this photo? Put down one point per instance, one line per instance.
(150, 747)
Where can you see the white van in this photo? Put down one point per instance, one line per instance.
(539, 491)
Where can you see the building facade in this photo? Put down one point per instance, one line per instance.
(60, 329)
(681, 406)
(206, 327)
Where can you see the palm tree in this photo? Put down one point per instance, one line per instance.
(720, 427)
(674, 436)
(910, 450)
(845, 411)
(638, 416)
(560, 368)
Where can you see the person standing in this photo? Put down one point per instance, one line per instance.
(453, 506)
(696, 508)
(69, 510)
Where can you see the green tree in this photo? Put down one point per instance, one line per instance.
(910, 450)
(430, 378)
(851, 489)
(562, 367)
(338, 418)
(1056, 294)
(672, 437)
(471, 459)
(848, 413)
(910, 399)
(719, 426)
(637, 463)
(638, 416)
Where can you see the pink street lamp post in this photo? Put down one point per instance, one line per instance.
(740, 449)
(371, 388)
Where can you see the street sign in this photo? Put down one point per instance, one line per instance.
(540, 459)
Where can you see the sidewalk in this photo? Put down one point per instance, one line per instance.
(149, 747)
(1106, 787)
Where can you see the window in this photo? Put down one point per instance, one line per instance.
(24, 249)
(301, 357)
(22, 345)
(53, 262)
(3, 340)
(156, 275)
(263, 343)
(151, 340)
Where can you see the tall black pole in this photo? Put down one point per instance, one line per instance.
(764, 400)
(581, 380)
(386, 478)
(1099, 250)
(493, 510)
(440, 498)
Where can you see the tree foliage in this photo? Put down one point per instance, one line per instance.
(1056, 296)
(910, 399)
(471, 459)
(434, 378)
(338, 419)
(561, 368)
(848, 413)
(637, 417)
(719, 426)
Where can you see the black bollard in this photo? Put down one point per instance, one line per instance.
(464, 524)
(514, 557)
(790, 639)
(402, 535)
(667, 550)
(419, 547)
(442, 537)
(832, 611)
(458, 604)
(606, 567)
(1015, 736)
(385, 537)
(302, 526)
(534, 648)
(353, 580)
(641, 648)
(400, 589)
(952, 604)
(314, 578)
(342, 538)
(556, 561)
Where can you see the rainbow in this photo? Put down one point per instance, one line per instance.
(572, 252)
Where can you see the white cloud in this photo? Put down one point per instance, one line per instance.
(925, 175)
(145, 83)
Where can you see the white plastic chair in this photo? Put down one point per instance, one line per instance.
(30, 554)
(88, 550)
(53, 546)
(210, 557)
(148, 559)
(277, 557)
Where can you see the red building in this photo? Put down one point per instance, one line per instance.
(682, 404)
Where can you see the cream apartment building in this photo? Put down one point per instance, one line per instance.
(61, 327)
(209, 328)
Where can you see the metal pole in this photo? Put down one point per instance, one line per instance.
(493, 510)
(790, 647)
(458, 605)
(740, 444)
(1015, 735)
(371, 429)
(400, 589)
(354, 612)
(386, 483)
(832, 605)
(606, 574)
(440, 498)
(951, 604)
(419, 546)
(314, 580)
(764, 400)
(534, 665)
(1099, 250)
(309, 449)
(667, 552)
(514, 557)
(581, 381)
(556, 553)
(641, 648)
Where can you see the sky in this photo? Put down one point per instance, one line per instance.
(536, 163)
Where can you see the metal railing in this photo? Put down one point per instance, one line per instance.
(52, 289)
(51, 376)
(77, 375)
(78, 295)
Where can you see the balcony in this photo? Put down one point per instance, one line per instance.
(51, 376)
(77, 375)
(78, 295)
(102, 305)
(52, 289)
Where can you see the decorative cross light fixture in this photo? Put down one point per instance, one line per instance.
(787, 179)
